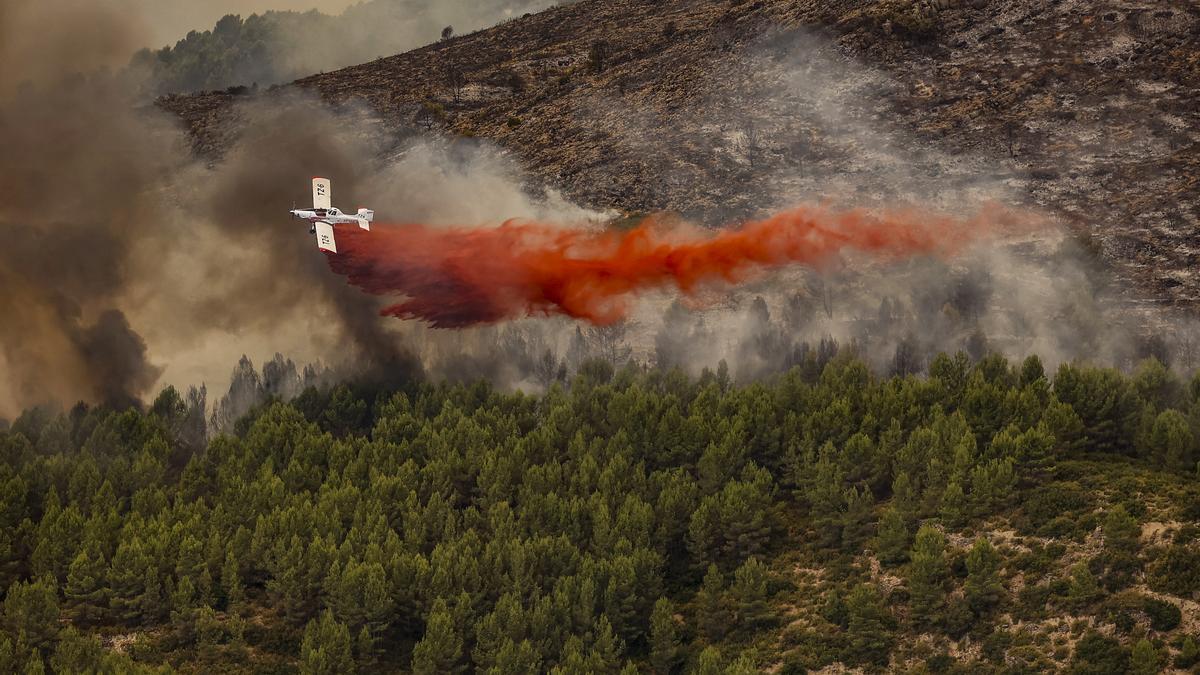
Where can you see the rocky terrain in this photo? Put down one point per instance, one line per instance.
(721, 109)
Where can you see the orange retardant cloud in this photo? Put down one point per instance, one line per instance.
(462, 276)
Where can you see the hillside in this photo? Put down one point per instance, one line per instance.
(986, 519)
(937, 461)
(718, 109)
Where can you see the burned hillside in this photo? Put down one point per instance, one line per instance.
(1087, 110)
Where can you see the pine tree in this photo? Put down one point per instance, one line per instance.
(605, 654)
(954, 504)
(743, 665)
(1171, 441)
(209, 631)
(184, 607)
(720, 462)
(87, 591)
(983, 587)
(746, 514)
(505, 622)
(8, 656)
(516, 659)
(127, 581)
(927, 574)
(856, 517)
(869, 628)
(892, 540)
(288, 583)
(231, 582)
(1189, 654)
(664, 637)
(325, 649)
(1083, 589)
(31, 608)
(712, 618)
(904, 495)
(441, 648)
(35, 665)
(749, 593)
(710, 662)
(1143, 660)
(364, 647)
(359, 595)
(704, 532)
(191, 563)
(153, 605)
(1121, 530)
(58, 538)
(621, 598)
(571, 660)
(77, 652)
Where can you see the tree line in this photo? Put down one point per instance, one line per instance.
(629, 520)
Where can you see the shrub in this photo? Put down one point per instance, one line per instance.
(995, 645)
(597, 56)
(1144, 659)
(909, 17)
(939, 663)
(1189, 654)
(1187, 534)
(1164, 616)
(1032, 602)
(1120, 569)
(434, 109)
(811, 649)
(1096, 654)
(1177, 572)
(1049, 503)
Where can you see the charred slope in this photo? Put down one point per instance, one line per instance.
(708, 108)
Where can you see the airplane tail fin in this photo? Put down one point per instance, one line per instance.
(365, 216)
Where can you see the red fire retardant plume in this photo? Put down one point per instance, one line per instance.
(462, 276)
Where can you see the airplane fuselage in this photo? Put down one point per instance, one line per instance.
(332, 216)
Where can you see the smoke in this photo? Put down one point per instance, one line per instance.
(796, 117)
(76, 178)
(460, 277)
(42, 41)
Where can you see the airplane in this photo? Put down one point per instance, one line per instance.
(323, 216)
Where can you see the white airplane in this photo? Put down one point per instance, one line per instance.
(324, 216)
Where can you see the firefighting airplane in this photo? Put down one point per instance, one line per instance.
(324, 216)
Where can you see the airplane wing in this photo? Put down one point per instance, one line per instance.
(325, 240)
(322, 198)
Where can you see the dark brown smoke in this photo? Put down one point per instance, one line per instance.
(42, 41)
(78, 168)
(107, 221)
(284, 143)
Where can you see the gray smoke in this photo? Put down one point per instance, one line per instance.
(78, 181)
